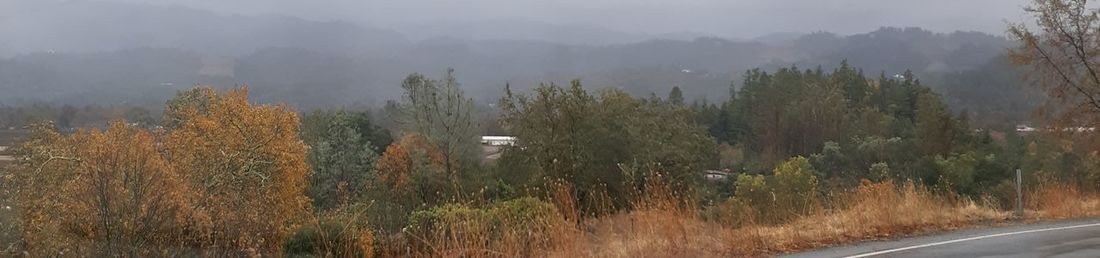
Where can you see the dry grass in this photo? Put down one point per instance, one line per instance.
(1061, 201)
(522, 227)
(872, 211)
(664, 225)
(649, 233)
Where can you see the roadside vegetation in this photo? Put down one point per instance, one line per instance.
(793, 159)
(594, 173)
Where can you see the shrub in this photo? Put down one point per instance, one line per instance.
(879, 171)
(338, 234)
(731, 213)
(795, 188)
(445, 217)
(526, 212)
(793, 192)
(957, 170)
(518, 227)
(1091, 172)
(752, 191)
(387, 214)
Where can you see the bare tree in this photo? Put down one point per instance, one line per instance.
(439, 110)
(1061, 49)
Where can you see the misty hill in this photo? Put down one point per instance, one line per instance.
(80, 26)
(94, 52)
(899, 49)
(515, 29)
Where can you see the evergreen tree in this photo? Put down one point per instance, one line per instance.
(676, 97)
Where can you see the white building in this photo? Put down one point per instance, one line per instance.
(498, 140)
(717, 175)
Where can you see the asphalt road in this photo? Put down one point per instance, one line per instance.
(1078, 238)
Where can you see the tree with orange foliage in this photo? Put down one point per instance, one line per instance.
(413, 169)
(246, 165)
(227, 177)
(109, 193)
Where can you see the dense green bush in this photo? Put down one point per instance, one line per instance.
(528, 213)
(795, 188)
(526, 222)
(337, 234)
(879, 172)
(792, 192)
(344, 146)
(957, 171)
(440, 217)
(752, 190)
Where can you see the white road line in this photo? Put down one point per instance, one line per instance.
(969, 239)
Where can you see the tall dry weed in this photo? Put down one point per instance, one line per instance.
(1053, 200)
(666, 223)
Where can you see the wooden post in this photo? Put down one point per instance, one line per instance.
(1019, 195)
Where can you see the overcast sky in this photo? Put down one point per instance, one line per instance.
(728, 18)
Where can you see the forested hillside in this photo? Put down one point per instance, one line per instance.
(310, 64)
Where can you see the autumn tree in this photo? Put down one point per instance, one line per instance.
(109, 188)
(1061, 54)
(413, 169)
(246, 165)
(410, 176)
(226, 176)
(1060, 48)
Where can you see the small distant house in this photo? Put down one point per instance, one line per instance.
(717, 175)
(1024, 129)
(498, 140)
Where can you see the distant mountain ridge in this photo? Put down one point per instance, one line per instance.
(80, 26)
(506, 29)
(124, 53)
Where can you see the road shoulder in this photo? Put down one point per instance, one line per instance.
(933, 237)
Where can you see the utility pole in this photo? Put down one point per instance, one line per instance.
(1019, 195)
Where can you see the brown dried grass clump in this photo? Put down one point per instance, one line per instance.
(663, 224)
(872, 211)
(649, 233)
(1061, 201)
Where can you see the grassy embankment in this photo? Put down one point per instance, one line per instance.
(663, 226)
